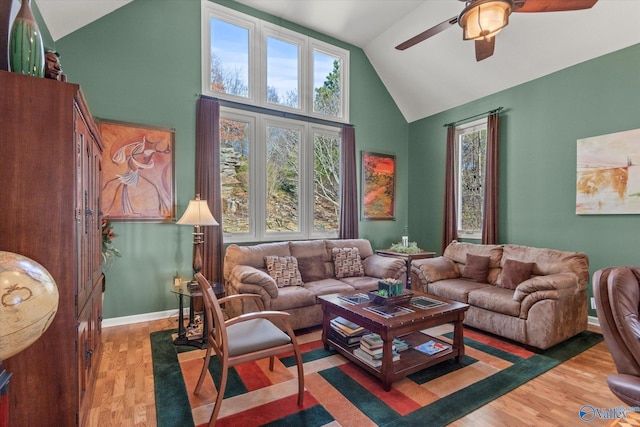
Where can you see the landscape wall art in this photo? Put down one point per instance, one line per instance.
(608, 174)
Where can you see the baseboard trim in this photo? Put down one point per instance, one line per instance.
(137, 318)
(593, 321)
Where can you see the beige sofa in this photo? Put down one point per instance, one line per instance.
(245, 271)
(545, 305)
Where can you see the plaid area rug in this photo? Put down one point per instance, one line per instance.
(339, 393)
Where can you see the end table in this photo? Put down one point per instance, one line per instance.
(407, 258)
(186, 291)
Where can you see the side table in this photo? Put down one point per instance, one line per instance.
(407, 258)
(185, 291)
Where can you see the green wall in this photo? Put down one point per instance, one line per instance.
(539, 127)
(141, 64)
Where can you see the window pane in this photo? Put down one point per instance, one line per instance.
(282, 73)
(283, 151)
(327, 96)
(326, 182)
(229, 58)
(234, 174)
(471, 180)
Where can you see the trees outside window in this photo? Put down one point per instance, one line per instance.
(471, 155)
(254, 62)
(280, 176)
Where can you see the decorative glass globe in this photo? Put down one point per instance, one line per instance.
(28, 302)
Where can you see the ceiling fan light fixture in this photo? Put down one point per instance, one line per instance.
(483, 19)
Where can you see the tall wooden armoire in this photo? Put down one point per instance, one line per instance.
(50, 160)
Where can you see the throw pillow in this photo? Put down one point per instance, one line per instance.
(476, 268)
(284, 270)
(347, 262)
(311, 268)
(515, 272)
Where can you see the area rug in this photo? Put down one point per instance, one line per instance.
(339, 393)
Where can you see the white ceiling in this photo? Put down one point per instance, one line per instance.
(441, 72)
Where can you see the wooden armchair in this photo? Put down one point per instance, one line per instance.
(246, 338)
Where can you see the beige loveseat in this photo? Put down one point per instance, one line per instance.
(534, 296)
(245, 271)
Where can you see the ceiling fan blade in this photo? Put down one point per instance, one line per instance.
(484, 48)
(552, 5)
(426, 34)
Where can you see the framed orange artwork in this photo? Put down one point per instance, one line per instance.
(378, 186)
(137, 172)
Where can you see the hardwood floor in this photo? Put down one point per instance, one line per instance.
(124, 393)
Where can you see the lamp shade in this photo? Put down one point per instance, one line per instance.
(484, 18)
(197, 213)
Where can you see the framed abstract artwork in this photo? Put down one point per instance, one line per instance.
(608, 174)
(137, 172)
(378, 186)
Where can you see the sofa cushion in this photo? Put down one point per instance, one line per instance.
(495, 299)
(363, 245)
(434, 269)
(476, 268)
(312, 268)
(458, 251)
(327, 286)
(284, 270)
(365, 283)
(551, 261)
(347, 262)
(252, 255)
(455, 289)
(292, 297)
(515, 272)
(252, 276)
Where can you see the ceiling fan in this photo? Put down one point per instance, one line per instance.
(481, 20)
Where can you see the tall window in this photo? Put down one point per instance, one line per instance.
(471, 154)
(255, 62)
(280, 178)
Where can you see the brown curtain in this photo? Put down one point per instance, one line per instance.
(490, 216)
(208, 183)
(450, 220)
(348, 227)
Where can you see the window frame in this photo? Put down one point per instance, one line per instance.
(474, 126)
(259, 30)
(258, 123)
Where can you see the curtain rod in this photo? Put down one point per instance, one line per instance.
(486, 113)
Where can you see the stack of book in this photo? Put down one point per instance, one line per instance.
(347, 332)
(370, 350)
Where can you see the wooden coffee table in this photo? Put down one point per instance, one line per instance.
(407, 326)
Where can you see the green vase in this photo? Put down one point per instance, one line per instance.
(26, 53)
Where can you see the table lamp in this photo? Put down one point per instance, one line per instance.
(197, 214)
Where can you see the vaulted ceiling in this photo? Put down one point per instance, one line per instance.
(441, 72)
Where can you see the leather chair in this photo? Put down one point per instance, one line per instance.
(246, 338)
(617, 294)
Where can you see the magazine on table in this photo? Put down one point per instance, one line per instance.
(424, 302)
(432, 347)
(355, 299)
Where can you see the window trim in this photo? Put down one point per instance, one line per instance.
(259, 30)
(474, 126)
(258, 122)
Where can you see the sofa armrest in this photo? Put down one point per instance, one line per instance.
(243, 275)
(384, 267)
(554, 286)
(429, 270)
